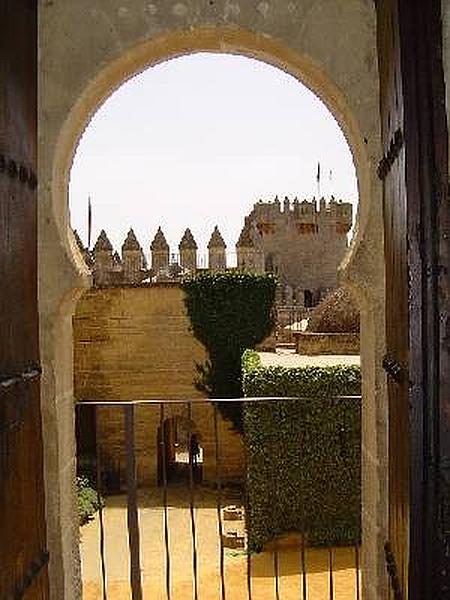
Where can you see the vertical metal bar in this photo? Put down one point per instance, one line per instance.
(357, 572)
(303, 562)
(191, 505)
(98, 475)
(249, 575)
(166, 514)
(219, 504)
(132, 508)
(248, 523)
(330, 572)
(275, 569)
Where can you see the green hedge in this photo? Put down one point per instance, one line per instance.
(229, 311)
(87, 500)
(303, 455)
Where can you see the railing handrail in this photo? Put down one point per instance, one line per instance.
(110, 402)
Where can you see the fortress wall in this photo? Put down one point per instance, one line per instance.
(134, 343)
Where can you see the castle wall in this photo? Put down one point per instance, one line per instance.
(303, 245)
(134, 343)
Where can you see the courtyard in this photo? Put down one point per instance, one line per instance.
(275, 573)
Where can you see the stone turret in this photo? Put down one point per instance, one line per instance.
(103, 259)
(160, 252)
(217, 260)
(84, 251)
(248, 256)
(188, 251)
(133, 259)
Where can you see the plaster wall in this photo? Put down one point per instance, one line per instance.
(87, 49)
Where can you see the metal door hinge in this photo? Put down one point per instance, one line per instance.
(385, 164)
(393, 368)
(391, 567)
(29, 576)
(14, 170)
(27, 376)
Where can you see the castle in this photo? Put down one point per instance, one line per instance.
(302, 243)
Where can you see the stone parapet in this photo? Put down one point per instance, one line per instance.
(312, 344)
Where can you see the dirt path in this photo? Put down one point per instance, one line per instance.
(151, 515)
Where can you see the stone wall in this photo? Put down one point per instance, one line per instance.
(312, 344)
(134, 343)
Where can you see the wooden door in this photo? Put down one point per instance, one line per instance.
(23, 554)
(414, 171)
(392, 172)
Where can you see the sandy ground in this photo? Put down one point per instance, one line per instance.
(287, 556)
(288, 358)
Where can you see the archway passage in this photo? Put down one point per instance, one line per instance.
(307, 298)
(340, 83)
(180, 454)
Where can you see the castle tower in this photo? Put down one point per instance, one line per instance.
(188, 251)
(103, 259)
(217, 260)
(132, 257)
(160, 252)
(248, 257)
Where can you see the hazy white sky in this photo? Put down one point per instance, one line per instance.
(195, 141)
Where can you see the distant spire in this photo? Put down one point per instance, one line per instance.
(187, 241)
(245, 239)
(131, 242)
(216, 240)
(103, 244)
(159, 241)
(78, 240)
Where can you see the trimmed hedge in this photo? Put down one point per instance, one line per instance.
(303, 455)
(229, 311)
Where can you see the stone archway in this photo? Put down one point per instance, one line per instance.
(85, 55)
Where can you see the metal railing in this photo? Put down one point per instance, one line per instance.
(337, 587)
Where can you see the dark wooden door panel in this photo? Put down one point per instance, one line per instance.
(23, 555)
(392, 173)
(414, 170)
(428, 256)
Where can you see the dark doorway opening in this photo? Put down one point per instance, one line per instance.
(180, 454)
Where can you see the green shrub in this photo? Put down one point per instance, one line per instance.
(303, 455)
(88, 502)
(229, 312)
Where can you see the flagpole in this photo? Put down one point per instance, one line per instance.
(89, 223)
(318, 181)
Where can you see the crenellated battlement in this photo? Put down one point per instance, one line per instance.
(302, 241)
(323, 211)
(130, 267)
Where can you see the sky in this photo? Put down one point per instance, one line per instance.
(195, 142)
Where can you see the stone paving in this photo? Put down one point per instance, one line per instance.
(154, 563)
(288, 358)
